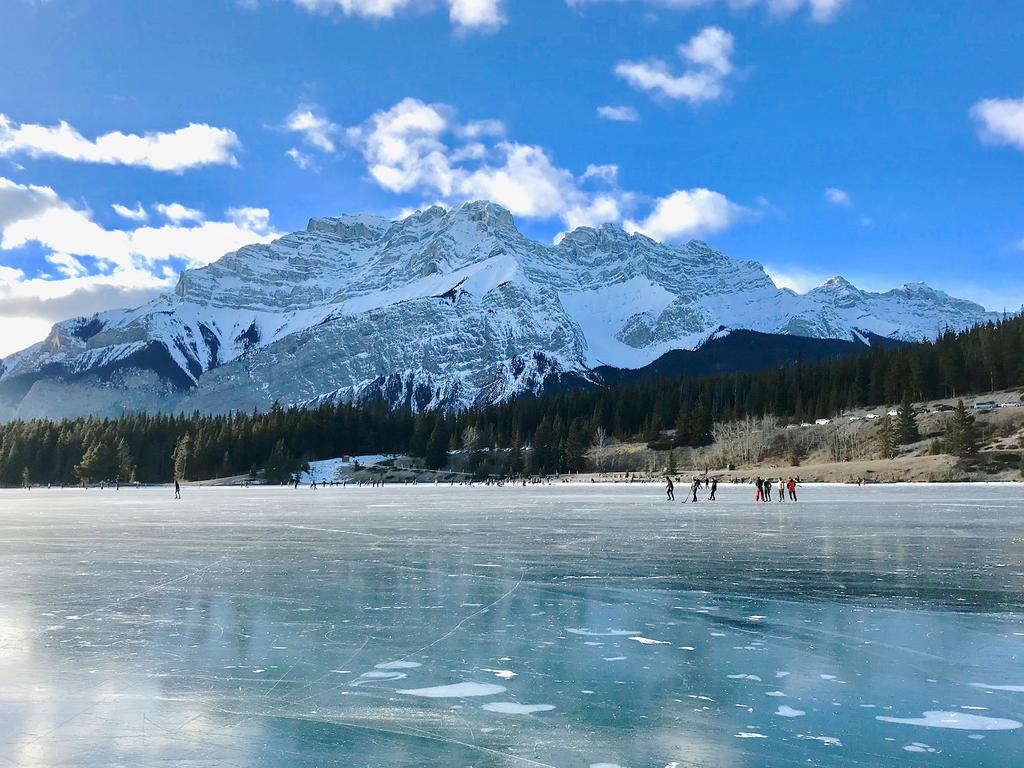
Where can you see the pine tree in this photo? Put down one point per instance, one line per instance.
(886, 438)
(906, 423)
(962, 432)
(437, 446)
(183, 459)
(98, 464)
(281, 464)
(125, 465)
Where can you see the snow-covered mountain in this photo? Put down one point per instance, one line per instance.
(441, 309)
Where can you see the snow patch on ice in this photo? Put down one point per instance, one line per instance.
(397, 665)
(648, 641)
(512, 708)
(956, 720)
(607, 633)
(456, 691)
(1010, 688)
(785, 711)
(918, 746)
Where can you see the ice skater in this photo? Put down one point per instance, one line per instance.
(696, 487)
(767, 488)
(714, 487)
(670, 489)
(791, 487)
(782, 490)
(177, 490)
(759, 484)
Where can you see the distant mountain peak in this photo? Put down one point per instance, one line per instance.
(440, 308)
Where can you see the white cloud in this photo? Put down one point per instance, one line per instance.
(415, 147)
(195, 145)
(795, 278)
(688, 213)
(138, 213)
(316, 130)
(301, 159)
(820, 10)
(837, 196)
(482, 15)
(1000, 121)
(619, 114)
(476, 14)
(178, 213)
(709, 54)
(100, 268)
(420, 148)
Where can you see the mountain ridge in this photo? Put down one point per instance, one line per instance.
(440, 309)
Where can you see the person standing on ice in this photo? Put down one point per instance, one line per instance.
(670, 489)
(782, 489)
(759, 484)
(767, 488)
(694, 487)
(791, 487)
(177, 490)
(714, 487)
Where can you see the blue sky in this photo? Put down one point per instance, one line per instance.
(883, 141)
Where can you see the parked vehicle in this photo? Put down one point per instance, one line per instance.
(987, 405)
(943, 408)
(1009, 404)
(870, 416)
(822, 422)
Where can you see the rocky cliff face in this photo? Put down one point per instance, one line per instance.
(441, 309)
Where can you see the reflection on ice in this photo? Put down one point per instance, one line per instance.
(511, 627)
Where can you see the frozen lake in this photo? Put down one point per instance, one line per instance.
(550, 626)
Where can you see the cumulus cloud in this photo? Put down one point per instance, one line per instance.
(315, 129)
(689, 213)
(820, 10)
(1000, 121)
(837, 196)
(476, 14)
(138, 213)
(178, 213)
(194, 146)
(419, 148)
(709, 56)
(618, 114)
(99, 268)
(481, 15)
(794, 278)
(423, 148)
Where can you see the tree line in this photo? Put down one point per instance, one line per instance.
(557, 429)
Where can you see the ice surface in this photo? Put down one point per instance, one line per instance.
(280, 627)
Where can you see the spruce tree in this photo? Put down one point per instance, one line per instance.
(962, 432)
(281, 464)
(886, 438)
(437, 446)
(183, 459)
(906, 423)
(98, 464)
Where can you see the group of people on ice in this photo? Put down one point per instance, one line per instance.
(763, 486)
(695, 486)
(764, 489)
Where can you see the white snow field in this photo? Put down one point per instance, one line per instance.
(566, 626)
